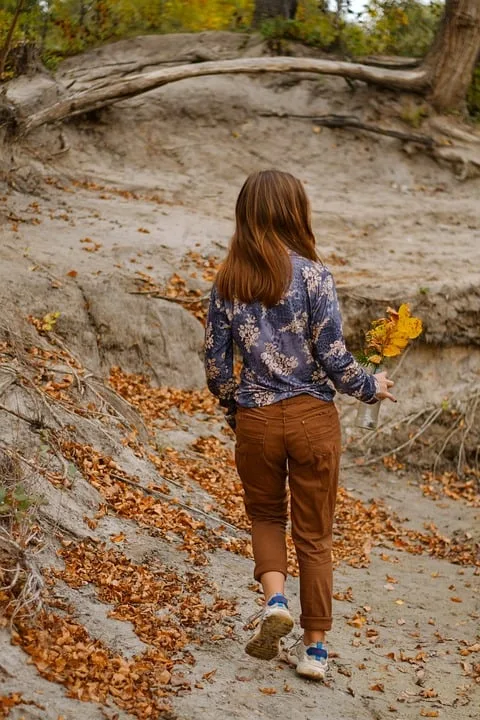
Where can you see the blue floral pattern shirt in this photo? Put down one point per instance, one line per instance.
(295, 347)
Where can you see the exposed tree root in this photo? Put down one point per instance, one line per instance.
(450, 429)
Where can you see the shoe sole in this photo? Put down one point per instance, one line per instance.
(265, 645)
(309, 673)
(305, 671)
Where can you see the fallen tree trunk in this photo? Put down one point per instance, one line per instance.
(132, 85)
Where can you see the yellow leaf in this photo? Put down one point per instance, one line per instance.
(410, 326)
(49, 321)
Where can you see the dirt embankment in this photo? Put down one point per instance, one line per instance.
(137, 203)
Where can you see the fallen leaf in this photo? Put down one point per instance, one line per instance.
(72, 273)
(164, 677)
(268, 690)
(429, 713)
(118, 538)
(209, 675)
(378, 687)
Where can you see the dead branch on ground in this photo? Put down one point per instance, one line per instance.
(350, 121)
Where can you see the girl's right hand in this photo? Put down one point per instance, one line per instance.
(383, 384)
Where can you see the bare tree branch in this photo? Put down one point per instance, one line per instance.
(132, 85)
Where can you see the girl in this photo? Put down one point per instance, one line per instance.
(277, 302)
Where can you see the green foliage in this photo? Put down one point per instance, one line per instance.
(394, 27)
(363, 359)
(67, 27)
(15, 502)
(401, 27)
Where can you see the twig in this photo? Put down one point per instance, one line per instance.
(350, 121)
(20, 416)
(122, 401)
(175, 501)
(400, 362)
(180, 300)
(11, 375)
(370, 436)
(468, 427)
(433, 416)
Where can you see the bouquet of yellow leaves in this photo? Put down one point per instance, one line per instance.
(387, 338)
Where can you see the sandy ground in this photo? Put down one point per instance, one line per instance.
(157, 177)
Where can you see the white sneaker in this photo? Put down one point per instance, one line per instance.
(310, 661)
(275, 623)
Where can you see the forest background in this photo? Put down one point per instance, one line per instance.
(48, 31)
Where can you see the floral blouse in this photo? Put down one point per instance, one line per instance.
(295, 347)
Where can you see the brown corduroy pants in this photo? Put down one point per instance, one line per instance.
(298, 438)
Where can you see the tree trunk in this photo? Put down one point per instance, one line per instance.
(6, 48)
(451, 60)
(269, 9)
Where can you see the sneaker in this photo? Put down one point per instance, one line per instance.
(310, 661)
(275, 623)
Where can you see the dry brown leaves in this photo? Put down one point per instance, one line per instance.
(208, 265)
(7, 702)
(134, 504)
(63, 652)
(214, 470)
(357, 527)
(164, 609)
(154, 403)
(56, 374)
(470, 662)
(450, 484)
(137, 593)
(175, 289)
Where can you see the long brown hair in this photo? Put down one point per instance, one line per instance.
(272, 216)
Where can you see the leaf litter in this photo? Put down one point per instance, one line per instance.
(62, 649)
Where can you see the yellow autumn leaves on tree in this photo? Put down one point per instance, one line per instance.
(389, 336)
